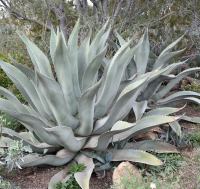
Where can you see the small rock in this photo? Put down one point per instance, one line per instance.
(153, 136)
(121, 171)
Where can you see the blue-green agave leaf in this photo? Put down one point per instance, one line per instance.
(26, 88)
(101, 105)
(136, 156)
(73, 53)
(95, 43)
(94, 156)
(173, 82)
(153, 87)
(62, 63)
(101, 142)
(53, 43)
(35, 123)
(172, 103)
(162, 111)
(62, 157)
(31, 75)
(39, 59)
(176, 127)
(11, 136)
(139, 109)
(103, 41)
(144, 125)
(90, 75)
(65, 137)
(169, 47)
(142, 55)
(191, 119)
(152, 145)
(86, 111)
(83, 59)
(56, 101)
(83, 177)
(124, 61)
(121, 107)
(107, 166)
(165, 59)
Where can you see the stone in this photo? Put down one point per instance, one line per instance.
(121, 171)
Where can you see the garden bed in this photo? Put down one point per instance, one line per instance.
(189, 174)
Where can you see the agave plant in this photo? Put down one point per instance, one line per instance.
(153, 93)
(72, 110)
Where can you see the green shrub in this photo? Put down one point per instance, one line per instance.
(9, 122)
(193, 137)
(71, 183)
(190, 87)
(5, 81)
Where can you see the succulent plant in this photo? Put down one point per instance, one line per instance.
(152, 95)
(72, 110)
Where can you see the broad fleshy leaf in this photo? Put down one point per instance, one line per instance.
(152, 145)
(65, 137)
(83, 177)
(62, 157)
(136, 156)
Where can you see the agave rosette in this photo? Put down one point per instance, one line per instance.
(78, 111)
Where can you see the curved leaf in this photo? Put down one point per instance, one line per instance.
(176, 127)
(178, 96)
(14, 100)
(62, 157)
(173, 82)
(124, 61)
(175, 102)
(55, 99)
(162, 111)
(121, 107)
(169, 47)
(86, 111)
(65, 137)
(101, 142)
(35, 123)
(26, 88)
(135, 156)
(103, 41)
(101, 105)
(60, 177)
(61, 65)
(152, 145)
(191, 119)
(83, 58)
(144, 125)
(139, 109)
(153, 87)
(104, 167)
(38, 57)
(90, 75)
(142, 55)
(53, 42)
(73, 53)
(83, 177)
(94, 156)
(12, 135)
(95, 43)
(31, 75)
(163, 60)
